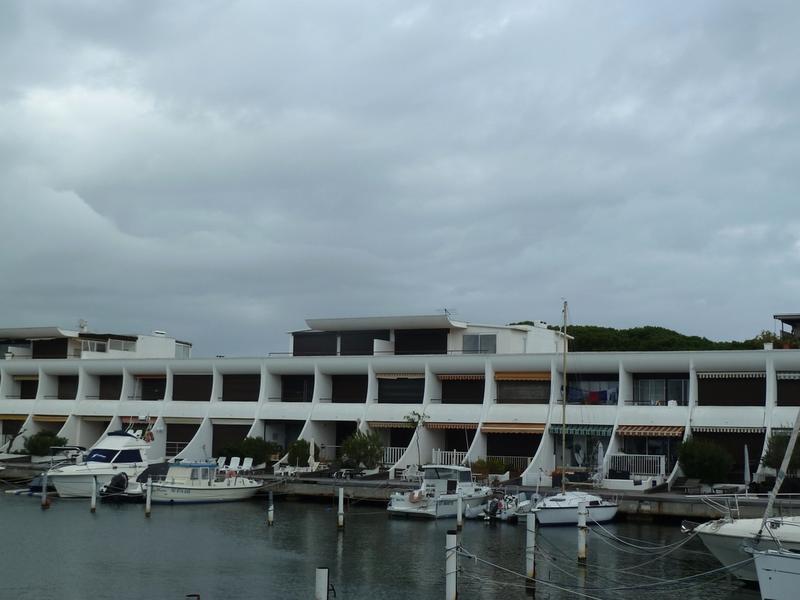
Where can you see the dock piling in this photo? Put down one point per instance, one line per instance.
(148, 497)
(451, 565)
(459, 512)
(340, 515)
(93, 502)
(45, 501)
(582, 532)
(530, 548)
(321, 584)
(270, 510)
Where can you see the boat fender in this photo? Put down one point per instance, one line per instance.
(148, 436)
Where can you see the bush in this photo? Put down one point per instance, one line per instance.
(776, 449)
(257, 448)
(362, 449)
(298, 452)
(484, 467)
(704, 460)
(39, 444)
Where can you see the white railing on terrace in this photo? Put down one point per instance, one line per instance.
(515, 463)
(174, 448)
(639, 464)
(391, 454)
(448, 457)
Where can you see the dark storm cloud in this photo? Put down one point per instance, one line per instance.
(224, 170)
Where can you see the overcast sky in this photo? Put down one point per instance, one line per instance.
(224, 170)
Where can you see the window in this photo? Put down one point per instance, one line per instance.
(101, 455)
(183, 351)
(124, 345)
(93, 346)
(128, 456)
(480, 343)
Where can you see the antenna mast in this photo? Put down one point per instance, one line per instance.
(564, 404)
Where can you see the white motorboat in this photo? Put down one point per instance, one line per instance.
(727, 539)
(778, 573)
(562, 509)
(438, 495)
(201, 482)
(117, 452)
(509, 508)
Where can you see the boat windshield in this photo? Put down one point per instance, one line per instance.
(103, 455)
(443, 473)
(128, 456)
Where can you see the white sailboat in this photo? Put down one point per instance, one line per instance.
(562, 508)
(729, 538)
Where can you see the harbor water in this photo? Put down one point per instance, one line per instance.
(228, 551)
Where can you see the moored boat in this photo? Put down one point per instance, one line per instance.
(562, 508)
(778, 573)
(438, 495)
(117, 452)
(201, 482)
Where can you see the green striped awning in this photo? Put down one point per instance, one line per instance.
(595, 430)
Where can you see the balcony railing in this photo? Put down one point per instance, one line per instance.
(448, 457)
(513, 463)
(391, 454)
(646, 465)
(174, 448)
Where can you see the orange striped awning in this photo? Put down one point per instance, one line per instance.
(650, 431)
(532, 428)
(449, 377)
(50, 418)
(8, 417)
(523, 376)
(450, 425)
(389, 424)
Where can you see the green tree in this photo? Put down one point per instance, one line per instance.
(704, 460)
(362, 449)
(298, 452)
(39, 443)
(776, 449)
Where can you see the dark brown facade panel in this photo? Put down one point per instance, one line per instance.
(732, 391)
(241, 388)
(191, 388)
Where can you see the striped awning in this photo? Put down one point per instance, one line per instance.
(460, 377)
(450, 425)
(151, 376)
(530, 428)
(650, 430)
(26, 378)
(788, 375)
(725, 429)
(523, 376)
(95, 419)
(179, 421)
(243, 422)
(8, 417)
(390, 424)
(400, 375)
(731, 375)
(50, 418)
(151, 420)
(594, 430)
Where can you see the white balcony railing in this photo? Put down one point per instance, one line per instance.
(448, 457)
(174, 448)
(391, 454)
(647, 465)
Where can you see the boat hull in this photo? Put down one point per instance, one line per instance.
(79, 484)
(778, 574)
(164, 493)
(727, 542)
(436, 508)
(568, 515)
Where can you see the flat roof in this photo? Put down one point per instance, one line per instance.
(788, 317)
(35, 333)
(399, 322)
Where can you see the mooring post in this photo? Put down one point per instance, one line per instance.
(321, 584)
(45, 501)
(93, 504)
(459, 512)
(451, 565)
(270, 510)
(530, 548)
(340, 515)
(148, 497)
(582, 531)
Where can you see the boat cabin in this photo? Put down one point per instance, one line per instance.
(446, 479)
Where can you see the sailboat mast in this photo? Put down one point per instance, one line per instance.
(564, 404)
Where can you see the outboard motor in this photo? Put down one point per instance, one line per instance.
(493, 507)
(117, 485)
